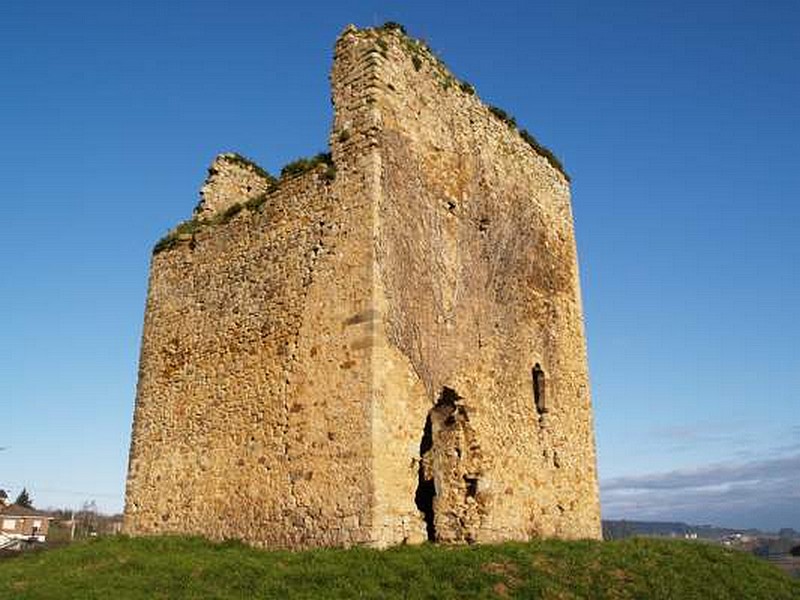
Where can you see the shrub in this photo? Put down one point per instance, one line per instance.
(303, 165)
(503, 116)
(530, 140)
(230, 212)
(294, 168)
(189, 227)
(544, 151)
(329, 174)
(245, 162)
(255, 203)
(196, 224)
(392, 26)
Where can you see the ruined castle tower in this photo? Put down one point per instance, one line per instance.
(384, 346)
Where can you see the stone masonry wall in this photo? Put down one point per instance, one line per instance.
(231, 179)
(252, 410)
(226, 435)
(477, 284)
(352, 361)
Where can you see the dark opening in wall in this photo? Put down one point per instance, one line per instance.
(539, 389)
(472, 486)
(449, 398)
(444, 418)
(426, 489)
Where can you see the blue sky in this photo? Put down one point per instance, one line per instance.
(678, 121)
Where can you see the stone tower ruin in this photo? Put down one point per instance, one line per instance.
(384, 345)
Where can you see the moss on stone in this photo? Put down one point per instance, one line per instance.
(420, 52)
(303, 165)
(393, 26)
(188, 229)
(544, 151)
(467, 88)
(243, 161)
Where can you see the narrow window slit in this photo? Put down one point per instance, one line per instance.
(472, 486)
(539, 389)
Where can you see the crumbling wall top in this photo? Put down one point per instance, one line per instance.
(391, 35)
(231, 179)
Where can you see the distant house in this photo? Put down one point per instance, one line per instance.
(23, 523)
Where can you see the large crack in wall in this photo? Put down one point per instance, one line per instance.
(476, 256)
(450, 470)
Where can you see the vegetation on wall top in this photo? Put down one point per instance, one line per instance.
(303, 165)
(529, 139)
(544, 151)
(393, 26)
(185, 231)
(420, 53)
(243, 161)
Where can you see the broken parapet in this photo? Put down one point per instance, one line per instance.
(232, 179)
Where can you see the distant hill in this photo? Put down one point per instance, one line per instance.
(621, 529)
(173, 567)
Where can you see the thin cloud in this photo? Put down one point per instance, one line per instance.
(739, 438)
(684, 437)
(712, 475)
(757, 493)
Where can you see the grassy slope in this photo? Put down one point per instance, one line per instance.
(172, 567)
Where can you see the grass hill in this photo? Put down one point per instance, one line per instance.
(175, 567)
